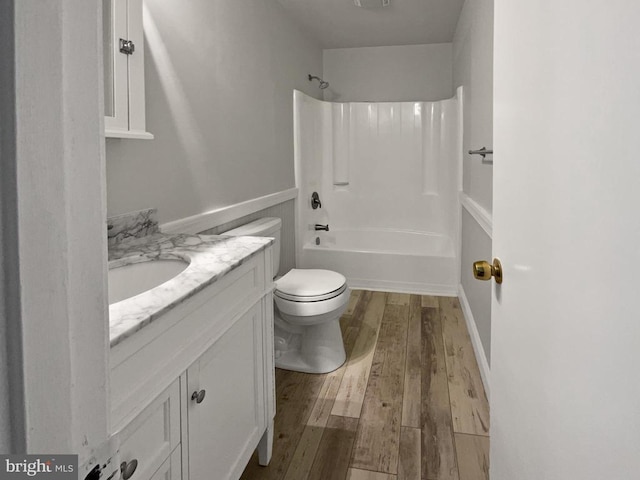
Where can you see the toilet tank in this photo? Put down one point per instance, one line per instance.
(264, 227)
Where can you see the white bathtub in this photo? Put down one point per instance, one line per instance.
(396, 261)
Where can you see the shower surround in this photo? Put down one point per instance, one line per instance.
(388, 175)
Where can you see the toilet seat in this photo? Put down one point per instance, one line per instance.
(318, 298)
(310, 285)
(300, 312)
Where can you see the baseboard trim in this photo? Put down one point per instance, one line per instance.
(213, 218)
(481, 357)
(480, 215)
(435, 290)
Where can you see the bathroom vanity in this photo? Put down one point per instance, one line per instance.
(191, 364)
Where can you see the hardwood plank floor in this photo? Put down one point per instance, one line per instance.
(410, 463)
(469, 404)
(332, 459)
(438, 452)
(353, 303)
(407, 405)
(378, 439)
(398, 299)
(356, 376)
(473, 456)
(356, 474)
(411, 400)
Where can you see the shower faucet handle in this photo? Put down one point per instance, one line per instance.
(322, 227)
(315, 201)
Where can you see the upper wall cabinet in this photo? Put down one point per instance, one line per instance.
(124, 106)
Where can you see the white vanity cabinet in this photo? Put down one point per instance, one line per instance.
(192, 393)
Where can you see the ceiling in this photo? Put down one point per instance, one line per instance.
(340, 24)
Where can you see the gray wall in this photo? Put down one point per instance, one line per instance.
(286, 212)
(473, 68)
(219, 85)
(8, 280)
(385, 74)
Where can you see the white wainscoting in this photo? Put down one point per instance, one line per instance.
(483, 364)
(485, 220)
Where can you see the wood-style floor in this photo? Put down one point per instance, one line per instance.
(408, 404)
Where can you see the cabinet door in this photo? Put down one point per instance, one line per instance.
(116, 90)
(227, 424)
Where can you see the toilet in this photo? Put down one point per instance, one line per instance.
(308, 306)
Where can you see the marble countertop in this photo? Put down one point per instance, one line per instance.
(209, 256)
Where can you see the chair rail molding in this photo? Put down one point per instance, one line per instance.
(213, 218)
(479, 213)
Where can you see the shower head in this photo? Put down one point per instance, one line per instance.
(322, 83)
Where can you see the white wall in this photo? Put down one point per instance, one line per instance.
(389, 74)
(60, 234)
(219, 83)
(473, 69)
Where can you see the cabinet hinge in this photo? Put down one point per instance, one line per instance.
(127, 47)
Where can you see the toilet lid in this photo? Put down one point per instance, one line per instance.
(309, 285)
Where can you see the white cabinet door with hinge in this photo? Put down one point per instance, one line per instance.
(226, 390)
(123, 51)
(565, 346)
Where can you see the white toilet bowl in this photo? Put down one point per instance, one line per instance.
(308, 306)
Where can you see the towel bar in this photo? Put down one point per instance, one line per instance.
(483, 152)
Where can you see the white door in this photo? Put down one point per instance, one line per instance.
(566, 324)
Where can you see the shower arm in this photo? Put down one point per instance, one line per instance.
(321, 82)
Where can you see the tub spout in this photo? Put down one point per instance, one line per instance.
(322, 227)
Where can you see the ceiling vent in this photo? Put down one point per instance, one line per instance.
(372, 3)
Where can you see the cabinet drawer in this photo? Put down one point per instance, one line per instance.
(153, 435)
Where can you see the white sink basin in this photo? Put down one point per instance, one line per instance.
(130, 280)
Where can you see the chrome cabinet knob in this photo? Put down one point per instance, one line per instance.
(198, 396)
(128, 469)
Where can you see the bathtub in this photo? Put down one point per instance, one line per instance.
(387, 260)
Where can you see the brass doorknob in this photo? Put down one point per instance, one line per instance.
(483, 270)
